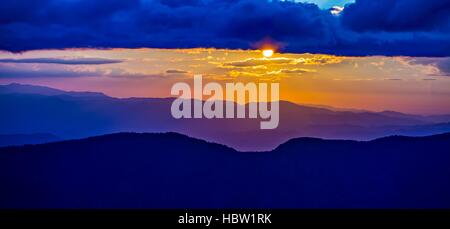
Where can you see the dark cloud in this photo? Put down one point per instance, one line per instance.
(253, 62)
(175, 71)
(295, 71)
(398, 15)
(76, 61)
(382, 27)
(16, 72)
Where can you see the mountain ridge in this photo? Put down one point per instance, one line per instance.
(175, 171)
(71, 116)
(288, 142)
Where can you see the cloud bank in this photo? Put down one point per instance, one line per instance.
(73, 61)
(366, 27)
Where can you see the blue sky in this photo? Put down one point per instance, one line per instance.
(326, 4)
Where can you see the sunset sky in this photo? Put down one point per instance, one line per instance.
(374, 55)
(407, 84)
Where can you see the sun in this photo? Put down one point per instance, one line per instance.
(267, 52)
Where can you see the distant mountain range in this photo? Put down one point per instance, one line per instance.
(129, 170)
(16, 88)
(30, 109)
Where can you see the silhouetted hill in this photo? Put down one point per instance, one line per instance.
(29, 109)
(174, 171)
(23, 139)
